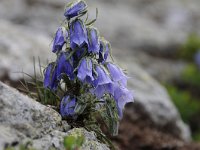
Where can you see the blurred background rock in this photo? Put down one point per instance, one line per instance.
(155, 40)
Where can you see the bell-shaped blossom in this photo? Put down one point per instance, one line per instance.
(59, 40)
(93, 40)
(85, 71)
(64, 66)
(74, 9)
(122, 96)
(100, 90)
(102, 77)
(104, 50)
(67, 106)
(197, 59)
(50, 77)
(78, 34)
(117, 74)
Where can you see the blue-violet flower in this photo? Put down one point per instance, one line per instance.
(78, 34)
(122, 96)
(93, 40)
(75, 9)
(59, 40)
(117, 74)
(64, 65)
(50, 77)
(102, 77)
(85, 71)
(67, 106)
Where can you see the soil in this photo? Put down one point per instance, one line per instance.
(138, 135)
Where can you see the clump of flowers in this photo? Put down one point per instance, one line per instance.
(85, 83)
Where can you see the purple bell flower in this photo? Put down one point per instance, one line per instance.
(104, 51)
(64, 66)
(50, 77)
(102, 77)
(59, 40)
(85, 71)
(122, 96)
(100, 90)
(93, 40)
(197, 59)
(78, 34)
(102, 84)
(75, 9)
(67, 106)
(117, 74)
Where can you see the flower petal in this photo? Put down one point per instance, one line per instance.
(117, 74)
(78, 34)
(102, 77)
(59, 40)
(50, 77)
(100, 90)
(64, 66)
(75, 9)
(93, 39)
(85, 70)
(122, 96)
(67, 106)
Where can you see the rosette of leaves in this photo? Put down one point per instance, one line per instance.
(84, 82)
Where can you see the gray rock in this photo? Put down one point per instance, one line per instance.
(18, 46)
(24, 120)
(134, 23)
(162, 69)
(55, 138)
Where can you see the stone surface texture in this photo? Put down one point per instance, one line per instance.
(24, 120)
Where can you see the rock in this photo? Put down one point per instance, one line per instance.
(23, 120)
(157, 27)
(162, 69)
(151, 99)
(55, 138)
(134, 24)
(18, 46)
(90, 143)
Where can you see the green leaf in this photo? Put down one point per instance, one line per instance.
(69, 142)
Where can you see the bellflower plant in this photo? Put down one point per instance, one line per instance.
(83, 83)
